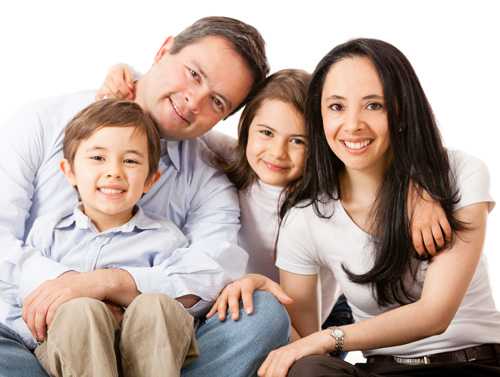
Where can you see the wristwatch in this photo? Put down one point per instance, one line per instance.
(338, 334)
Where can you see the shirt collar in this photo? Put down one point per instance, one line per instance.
(172, 150)
(140, 220)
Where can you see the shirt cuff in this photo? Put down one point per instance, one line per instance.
(37, 270)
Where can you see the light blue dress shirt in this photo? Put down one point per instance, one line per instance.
(148, 248)
(191, 193)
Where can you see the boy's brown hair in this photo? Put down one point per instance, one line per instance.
(112, 113)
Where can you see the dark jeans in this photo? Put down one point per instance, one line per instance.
(327, 366)
(340, 315)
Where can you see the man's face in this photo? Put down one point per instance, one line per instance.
(187, 93)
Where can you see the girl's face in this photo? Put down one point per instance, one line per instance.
(354, 115)
(277, 143)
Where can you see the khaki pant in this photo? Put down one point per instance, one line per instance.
(156, 338)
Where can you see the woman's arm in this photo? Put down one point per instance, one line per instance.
(447, 279)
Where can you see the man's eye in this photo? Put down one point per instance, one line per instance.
(218, 104)
(195, 75)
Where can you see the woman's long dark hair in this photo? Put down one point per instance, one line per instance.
(419, 158)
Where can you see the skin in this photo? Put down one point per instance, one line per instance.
(447, 277)
(277, 143)
(189, 92)
(196, 80)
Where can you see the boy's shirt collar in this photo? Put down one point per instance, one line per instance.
(81, 221)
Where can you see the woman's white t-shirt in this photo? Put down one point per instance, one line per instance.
(308, 243)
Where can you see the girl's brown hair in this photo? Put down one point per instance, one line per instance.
(287, 85)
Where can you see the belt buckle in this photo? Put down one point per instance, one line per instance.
(412, 360)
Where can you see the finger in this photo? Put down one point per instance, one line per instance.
(430, 246)
(212, 310)
(265, 365)
(247, 299)
(52, 309)
(234, 304)
(222, 306)
(445, 226)
(40, 322)
(438, 236)
(418, 243)
(280, 294)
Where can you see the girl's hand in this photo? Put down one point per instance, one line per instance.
(430, 228)
(279, 361)
(119, 83)
(243, 289)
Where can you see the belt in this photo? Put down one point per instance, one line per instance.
(477, 353)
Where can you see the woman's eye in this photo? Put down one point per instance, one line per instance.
(266, 132)
(336, 107)
(374, 106)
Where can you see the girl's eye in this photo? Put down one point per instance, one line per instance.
(97, 158)
(374, 106)
(266, 133)
(297, 141)
(336, 107)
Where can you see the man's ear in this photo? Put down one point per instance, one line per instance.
(151, 181)
(165, 48)
(67, 170)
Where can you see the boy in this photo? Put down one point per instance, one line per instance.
(111, 155)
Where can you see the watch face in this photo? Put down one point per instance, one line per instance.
(338, 333)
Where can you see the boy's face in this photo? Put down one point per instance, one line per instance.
(110, 170)
(189, 92)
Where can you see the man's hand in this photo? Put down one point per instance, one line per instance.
(41, 305)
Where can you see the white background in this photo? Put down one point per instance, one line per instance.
(52, 47)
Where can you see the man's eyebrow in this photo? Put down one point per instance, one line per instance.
(228, 103)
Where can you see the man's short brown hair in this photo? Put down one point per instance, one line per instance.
(245, 39)
(112, 113)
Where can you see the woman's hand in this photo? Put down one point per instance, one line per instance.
(279, 361)
(243, 289)
(119, 83)
(429, 226)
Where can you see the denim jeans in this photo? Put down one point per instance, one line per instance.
(238, 348)
(16, 360)
(228, 348)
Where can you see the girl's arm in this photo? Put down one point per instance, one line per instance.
(447, 279)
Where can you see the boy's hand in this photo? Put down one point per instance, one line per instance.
(41, 305)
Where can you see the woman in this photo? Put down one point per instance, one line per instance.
(372, 132)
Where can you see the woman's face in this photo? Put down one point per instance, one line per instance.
(354, 115)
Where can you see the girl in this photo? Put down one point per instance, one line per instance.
(268, 159)
(372, 132)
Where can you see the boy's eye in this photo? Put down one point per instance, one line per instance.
(336, 107)
(97, 158)
(374, 106)
(130, 161)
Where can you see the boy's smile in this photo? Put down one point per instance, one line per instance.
(110, 171)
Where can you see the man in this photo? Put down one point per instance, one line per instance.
(199, 77)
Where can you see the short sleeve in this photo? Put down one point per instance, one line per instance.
(472, 180)
(296, 250)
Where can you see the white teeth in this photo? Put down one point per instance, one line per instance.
(357, 145)
(105, 190)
